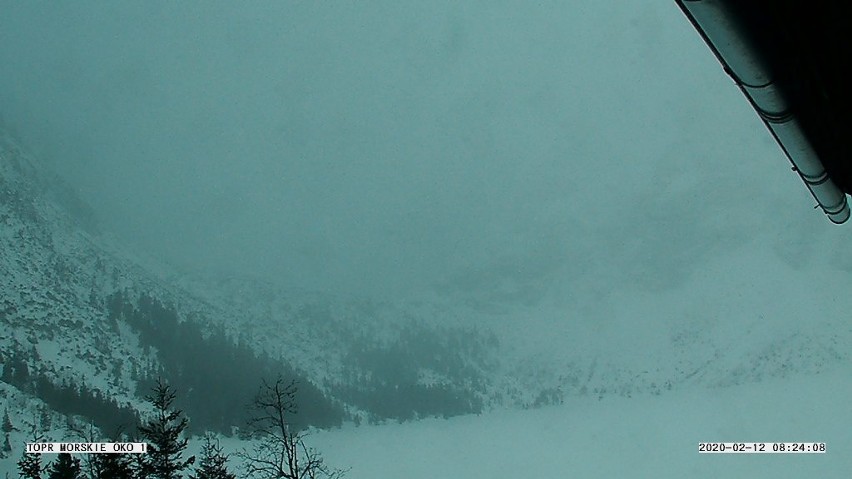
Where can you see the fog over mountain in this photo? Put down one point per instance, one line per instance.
(389, 147)
(438, 214)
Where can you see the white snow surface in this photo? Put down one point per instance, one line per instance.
(638, 437)
(647, 436)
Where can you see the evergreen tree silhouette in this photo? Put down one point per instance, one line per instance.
(29, 466)
(164, 434)
(113, 466)
(213, 464)
(66, 466)
(7, 423)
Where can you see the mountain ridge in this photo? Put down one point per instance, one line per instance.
(374, 359)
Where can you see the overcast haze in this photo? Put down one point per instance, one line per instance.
(384, 147)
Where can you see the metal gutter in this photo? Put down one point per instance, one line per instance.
(731, 43)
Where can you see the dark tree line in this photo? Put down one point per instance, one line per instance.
(281, 452)
(409, 401)
(217, 373)
(385, 379)
(67, 398)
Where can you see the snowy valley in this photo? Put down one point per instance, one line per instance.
(80, 311)
(484, 239)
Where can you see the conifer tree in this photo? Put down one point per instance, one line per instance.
(29, 466)
(7, 427)
(44, 419)
(66, 466)
(213, 464)
(113, 466)
(164, 434)
(7, 423)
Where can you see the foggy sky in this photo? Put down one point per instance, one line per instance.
(384, 147)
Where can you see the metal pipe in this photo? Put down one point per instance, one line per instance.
(735, 50)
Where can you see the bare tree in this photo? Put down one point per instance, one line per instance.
(87, 433)
(280, 451)
(103, 466)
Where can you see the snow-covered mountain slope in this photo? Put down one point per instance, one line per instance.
(53, 276)
(70, 296)
(741, 319)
